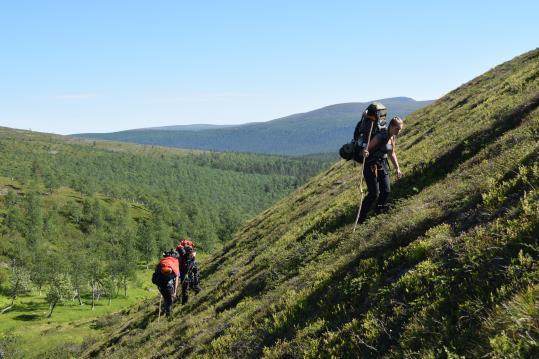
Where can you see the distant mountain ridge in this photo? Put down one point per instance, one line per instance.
(318, 131)
(193, 127)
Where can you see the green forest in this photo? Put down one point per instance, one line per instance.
(451, 271)
(204, 195)
(82, 221)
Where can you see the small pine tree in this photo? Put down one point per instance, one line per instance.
(145, 242)
(34, 219)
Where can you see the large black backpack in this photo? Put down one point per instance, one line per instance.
(353, 150)
(361, 132)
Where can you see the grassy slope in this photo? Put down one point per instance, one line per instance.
(451, 269)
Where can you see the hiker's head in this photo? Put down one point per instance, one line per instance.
(395, 125)
(186, 242)
(188, 250)
(170, 253)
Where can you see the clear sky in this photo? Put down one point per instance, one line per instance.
(98, 66)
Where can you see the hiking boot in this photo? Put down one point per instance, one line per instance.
(197, 288)
(185, 299)
(382, 208)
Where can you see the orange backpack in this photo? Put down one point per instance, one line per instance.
(169, 266)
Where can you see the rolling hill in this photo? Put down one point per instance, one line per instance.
(451, 271)
(318, 131)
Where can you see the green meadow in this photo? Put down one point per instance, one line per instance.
(34, 333)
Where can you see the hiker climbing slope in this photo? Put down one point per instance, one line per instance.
(166, 278)
(373, 141)
(376, 167)
(189, 276)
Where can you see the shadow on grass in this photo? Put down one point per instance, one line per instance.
(30, 306)
(27, 317)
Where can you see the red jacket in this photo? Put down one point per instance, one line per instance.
(172, 263)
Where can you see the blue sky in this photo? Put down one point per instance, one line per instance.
(99, 66)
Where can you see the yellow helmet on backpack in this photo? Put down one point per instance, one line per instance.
(166, 270)
(375, 112)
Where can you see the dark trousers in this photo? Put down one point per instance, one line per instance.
(189, 279)
(377, 179)
(166, 288)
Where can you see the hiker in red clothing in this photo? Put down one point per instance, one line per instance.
(166, 278)
(188, 269)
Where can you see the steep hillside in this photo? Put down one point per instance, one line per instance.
(318, 131)
(451, 270)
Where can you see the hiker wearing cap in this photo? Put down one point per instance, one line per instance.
(166, 276)
(189, 276)
(376, 167)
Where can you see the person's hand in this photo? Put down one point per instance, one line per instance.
(399, 173)
(365, 153)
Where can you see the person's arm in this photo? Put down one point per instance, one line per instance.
(393, 158)
(375, 142)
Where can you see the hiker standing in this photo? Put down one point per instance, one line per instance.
(376, 167)
(166, 278)
(189, 276)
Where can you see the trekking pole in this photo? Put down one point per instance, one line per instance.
(188, 272)
(159, 315)
(361, 180)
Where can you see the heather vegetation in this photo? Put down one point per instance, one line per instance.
(451, 271)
